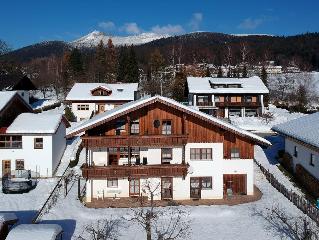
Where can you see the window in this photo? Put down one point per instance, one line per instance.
(312, 159)
(250, 112)
(219, 98)
(249, 99)
(135, 152)
(19, 164)
(38, 143)
(112, 183)
(83, 107)
(135, 127)
(234, 86)
(167, 155)
(201, 154)
(234, 153)
(123, 152)
(202, 99)
(134, 187)
(235, 99)
(296, 151)
(10, 141)
(167, 127)
(120, 126)
(234, 112)
(206, 182)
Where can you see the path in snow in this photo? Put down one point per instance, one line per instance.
(267, 158)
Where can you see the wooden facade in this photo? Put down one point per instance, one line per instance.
(185, 127)
(136, 171)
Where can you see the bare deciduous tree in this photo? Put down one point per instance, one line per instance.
(168, 223)
(102, 230)
(298, 228)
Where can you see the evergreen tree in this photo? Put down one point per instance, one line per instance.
(244, 75)
(100, 62)
(75, 62)
(122, 63)
(179, 85)
(220, 72)
(207, 74)
(132, 74)
(111, 62)
(264, 78)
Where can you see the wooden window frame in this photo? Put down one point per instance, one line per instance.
(83, 107)
(201, 154)
(135, 127)
(210, 181)
(135, 194)
(120, 128)
(165, 130)
(111, 181)
(232, 152)
(162, 153)
(36, 144)
(11, 142)
(18, 163)
(172, 189)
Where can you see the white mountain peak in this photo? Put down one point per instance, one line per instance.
(94, 38)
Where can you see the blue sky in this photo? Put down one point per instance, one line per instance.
(25, 22)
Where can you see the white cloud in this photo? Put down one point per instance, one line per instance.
(195, 21)
(109, 25)
(250, 23)
(168, 29)
(131, 28)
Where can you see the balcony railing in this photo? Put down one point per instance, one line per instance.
(237, 104)
(205, 104)
(135, 171)
(134, 140)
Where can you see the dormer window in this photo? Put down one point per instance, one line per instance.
(101, 91)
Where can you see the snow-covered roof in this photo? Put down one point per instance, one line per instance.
(305, 129)
(104, 117)
(30, 123)
(248, 85)
(35, 232)
(5, 97)
(120, 91)
(5, 217)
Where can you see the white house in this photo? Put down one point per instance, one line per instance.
(33, 142)
(186, 153)
(302, 143)
(87, 99)
(225, 97)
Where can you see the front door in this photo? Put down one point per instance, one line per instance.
(167, 188)
(134, 187)
(6, 167)
(195, 191)
(101, 108)
(235, 183)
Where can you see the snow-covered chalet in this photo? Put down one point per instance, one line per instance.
(190, 154)
(225, 97)
(29, 141)
(88, 99)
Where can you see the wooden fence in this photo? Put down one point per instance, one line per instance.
(300, 202)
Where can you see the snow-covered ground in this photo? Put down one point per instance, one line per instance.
(258, 124)
(26, 205)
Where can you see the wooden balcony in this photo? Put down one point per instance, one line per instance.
(134, 140)
(237, 104)
(205, 104)
(134, 171)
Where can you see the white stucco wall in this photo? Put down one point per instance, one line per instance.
(215, 168)
(303, 157)
(43, 161)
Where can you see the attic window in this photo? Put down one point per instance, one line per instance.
(101, 91)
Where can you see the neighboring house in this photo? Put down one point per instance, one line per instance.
(11, 105)
(187, 152)
(225, 97)
(17, 82)
(302, 143)
(33, 142)
(88, 99)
